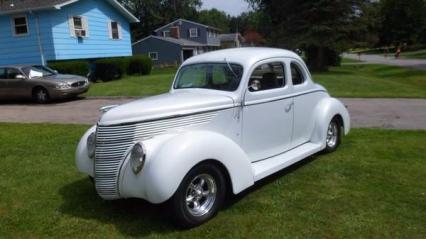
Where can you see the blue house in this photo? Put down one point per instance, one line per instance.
(177, 41)
(37, 31)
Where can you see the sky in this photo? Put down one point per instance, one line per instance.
(232, 7)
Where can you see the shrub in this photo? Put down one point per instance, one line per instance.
(105, 72)
(118, 62)
(141, 65)
(70, 67)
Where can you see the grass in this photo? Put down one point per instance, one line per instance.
(421, 54)
(348, 80)
(373, 81)
(158, 82)
(372, 187)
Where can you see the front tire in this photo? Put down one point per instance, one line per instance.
(333, 136)
(199, 196)
(41, 95)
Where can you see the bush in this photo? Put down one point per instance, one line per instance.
(105, 72)
(70, 67)
(141, 65)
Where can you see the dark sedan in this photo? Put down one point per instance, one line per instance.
(39, 83)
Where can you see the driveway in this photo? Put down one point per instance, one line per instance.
(390, 60)
(382, 113)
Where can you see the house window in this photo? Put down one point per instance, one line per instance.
(193, 32)
(153, 56)
(78, 26)
(20, 25)
(166, 33)
(114, 29)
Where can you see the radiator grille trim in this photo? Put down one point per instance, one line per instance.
(113, 143)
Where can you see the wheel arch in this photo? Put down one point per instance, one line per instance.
(170, 162)
(325, 111)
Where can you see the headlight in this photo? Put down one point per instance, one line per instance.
(137, 157)
(63, 85)
(91, 145)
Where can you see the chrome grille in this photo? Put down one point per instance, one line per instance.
(113, 142)
(78, 83)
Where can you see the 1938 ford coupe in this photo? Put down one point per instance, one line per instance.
(231, 118)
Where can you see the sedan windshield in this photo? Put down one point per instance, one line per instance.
(38, 71)
(214, 76)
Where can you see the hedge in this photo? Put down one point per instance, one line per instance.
(79, 67)
(132, 65)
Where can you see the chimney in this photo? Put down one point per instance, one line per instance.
(174, 32)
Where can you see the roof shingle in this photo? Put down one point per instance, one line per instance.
(21, 5)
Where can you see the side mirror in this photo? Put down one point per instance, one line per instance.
(21, 77)
(254, 86)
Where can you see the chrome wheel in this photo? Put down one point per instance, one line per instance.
(332, 134)
(201, 195)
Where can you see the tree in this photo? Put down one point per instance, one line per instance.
(321, 27)
(154, 13)
(215, 18)
(404, 21)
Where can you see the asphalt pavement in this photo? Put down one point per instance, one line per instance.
(378, 113)
(390, 60)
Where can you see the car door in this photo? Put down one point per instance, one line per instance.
(267, 111)
(17, 87)
(305, 101)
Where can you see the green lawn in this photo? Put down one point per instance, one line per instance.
(373, 187)
(158, 82)
(373, 81)
(349, 80)
(421, 54)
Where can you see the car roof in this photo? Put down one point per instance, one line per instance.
(244, 56)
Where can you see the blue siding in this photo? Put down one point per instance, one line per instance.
(168, 53)
(57, 42)
(25, 49)
(97, 44)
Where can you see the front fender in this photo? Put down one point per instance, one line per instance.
(82, 160)
(173, 158)
(325, 110)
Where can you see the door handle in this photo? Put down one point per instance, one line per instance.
(289, 106)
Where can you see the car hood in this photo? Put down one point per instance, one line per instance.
(65, 78)
(164, 106)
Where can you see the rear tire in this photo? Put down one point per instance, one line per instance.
(333, 137)
(199, 196)
(41, 95)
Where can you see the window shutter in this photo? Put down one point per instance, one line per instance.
(85, 25)
(119, 31)
(110, 29)
(71, 26)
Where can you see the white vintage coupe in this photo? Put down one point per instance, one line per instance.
(231, 118)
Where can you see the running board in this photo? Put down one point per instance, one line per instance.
(269, 166)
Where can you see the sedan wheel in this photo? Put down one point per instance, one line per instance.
(333, 136)
(199, 196)
(41, 95)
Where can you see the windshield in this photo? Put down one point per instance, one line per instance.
(214, 76)
(37, 71)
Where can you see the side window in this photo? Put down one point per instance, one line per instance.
(12, 73)
(2, 73)
(297, 75)
(267, 76)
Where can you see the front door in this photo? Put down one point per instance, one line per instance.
(187, 53)
(17, 87)
(267, 112)
(3, 84)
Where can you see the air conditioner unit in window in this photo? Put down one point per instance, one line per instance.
(80, 33)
